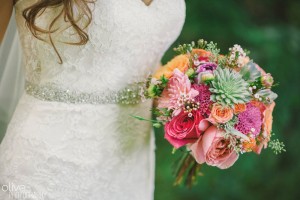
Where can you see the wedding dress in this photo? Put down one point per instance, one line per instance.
(71, 136)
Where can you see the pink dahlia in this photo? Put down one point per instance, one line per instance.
(177, 92)
(250, 121)
(203, 98)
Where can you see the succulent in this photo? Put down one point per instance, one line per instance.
(229, 87)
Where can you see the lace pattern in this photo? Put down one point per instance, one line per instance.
(127, 42)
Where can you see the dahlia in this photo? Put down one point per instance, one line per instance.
(203, 98)
(250, 121)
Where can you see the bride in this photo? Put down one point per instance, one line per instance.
(71, 136)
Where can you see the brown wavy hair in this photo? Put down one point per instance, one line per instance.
(72, 11)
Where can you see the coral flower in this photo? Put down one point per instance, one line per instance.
(268, 119)
(266, 128)
(180, 62)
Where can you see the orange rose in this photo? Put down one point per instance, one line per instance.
(180, 62)
(221, 114)
(238, 108)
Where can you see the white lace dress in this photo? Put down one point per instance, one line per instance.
(59, 148)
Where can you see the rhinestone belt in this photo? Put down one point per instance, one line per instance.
(132, 94)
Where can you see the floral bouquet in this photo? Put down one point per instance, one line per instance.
(213, 107)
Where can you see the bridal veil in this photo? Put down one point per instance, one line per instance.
(11, 75)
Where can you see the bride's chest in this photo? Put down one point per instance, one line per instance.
(121, 21)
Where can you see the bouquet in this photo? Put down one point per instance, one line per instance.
(213, 107)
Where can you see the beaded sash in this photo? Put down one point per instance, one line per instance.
(132, 94)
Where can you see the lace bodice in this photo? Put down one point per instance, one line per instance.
(127, 42)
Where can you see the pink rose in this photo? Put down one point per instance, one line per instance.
(183, 129)
(213, 149)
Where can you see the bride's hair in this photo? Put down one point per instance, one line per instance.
(72, 12)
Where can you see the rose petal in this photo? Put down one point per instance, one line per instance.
(203, 125)
(229, 161)
(177, 143)
(197, 151)
(208, 137)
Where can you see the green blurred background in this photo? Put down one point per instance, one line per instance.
(270, 29)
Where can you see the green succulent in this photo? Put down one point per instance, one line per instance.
(229, 87)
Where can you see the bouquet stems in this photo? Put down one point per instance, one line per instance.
(187, 170)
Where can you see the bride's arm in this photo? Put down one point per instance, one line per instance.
(6, 7)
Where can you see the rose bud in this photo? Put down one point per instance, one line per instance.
(190, 72)
(151, 90)
(267, 80)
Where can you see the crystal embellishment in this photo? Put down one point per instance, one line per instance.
(132, 94)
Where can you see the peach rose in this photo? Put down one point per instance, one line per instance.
(220, 113)
(238, 108)
(213, 149)
(180, 62)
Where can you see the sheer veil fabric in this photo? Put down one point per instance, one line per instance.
(11, 75)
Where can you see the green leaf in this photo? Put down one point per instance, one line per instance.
(233, 131)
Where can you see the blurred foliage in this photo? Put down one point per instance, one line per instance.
(270, 29)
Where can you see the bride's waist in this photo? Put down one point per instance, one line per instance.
(50, 91)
